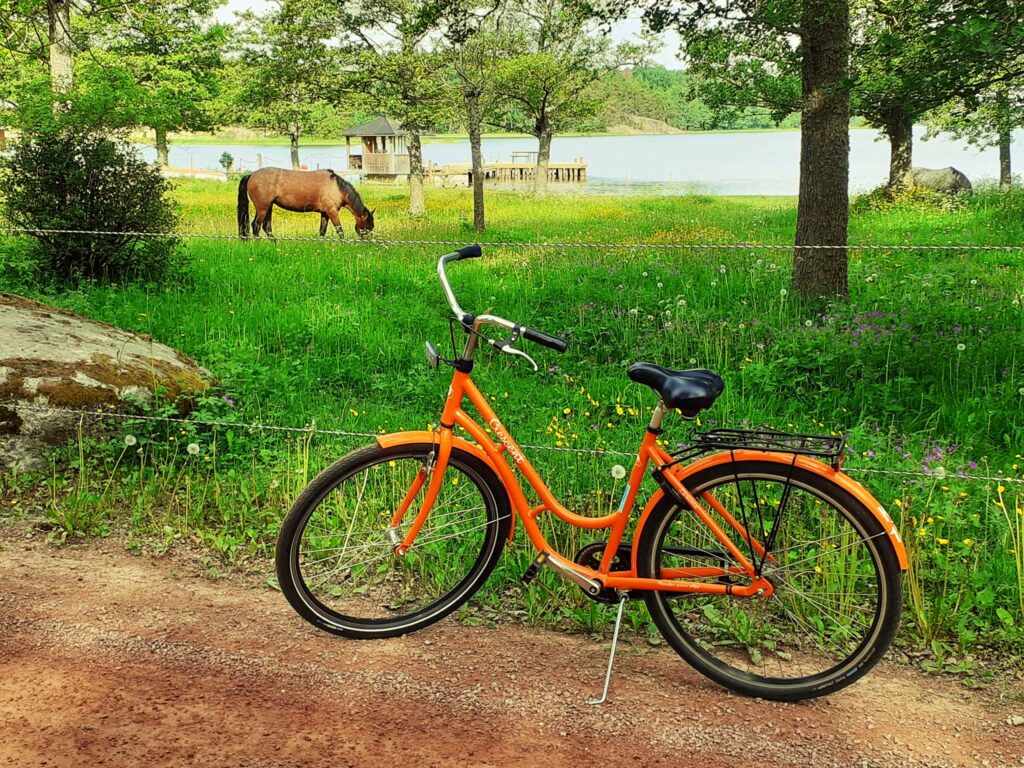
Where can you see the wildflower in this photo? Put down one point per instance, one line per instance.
(193, 449)
(722, 269)
(940, 472)
(129, 440)
(567, 411)
(1001, 489)
(619, 410)
(968, 542)
(898, 502)
(783, 292)
(645, 274)
(693, 361)
(682, 303)
(943, 542)
(618, 471)
(661, 285)
(808, 323)
(961, 347)
(974, 282)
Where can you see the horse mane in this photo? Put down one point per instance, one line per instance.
(350, 192)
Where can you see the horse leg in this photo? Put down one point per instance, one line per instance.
(268, 224)
(333, 213)
(323, 224)
(257, 222)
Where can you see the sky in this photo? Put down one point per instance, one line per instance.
(667, 57)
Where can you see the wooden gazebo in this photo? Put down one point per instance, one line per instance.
(383, 151)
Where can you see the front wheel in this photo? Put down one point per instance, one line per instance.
(337, 566)
(837, 583)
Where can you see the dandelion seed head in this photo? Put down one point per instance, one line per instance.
(130, 440)
(193, 449)
(618, 471)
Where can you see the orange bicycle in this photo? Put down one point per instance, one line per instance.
(769, 570)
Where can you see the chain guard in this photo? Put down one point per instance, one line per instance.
(590, 557)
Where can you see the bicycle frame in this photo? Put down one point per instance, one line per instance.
(674, 580)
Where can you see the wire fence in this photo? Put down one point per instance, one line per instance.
(310, 430)
(385, 242)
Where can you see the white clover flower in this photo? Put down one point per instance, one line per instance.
(961, 347)
(618, 471)
(129, 440)
(193, 449)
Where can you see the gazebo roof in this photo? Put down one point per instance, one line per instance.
(382, 126)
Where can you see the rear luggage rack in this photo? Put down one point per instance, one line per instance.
(822, 446)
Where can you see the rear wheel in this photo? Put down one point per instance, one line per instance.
(336, 564)
(837, 583)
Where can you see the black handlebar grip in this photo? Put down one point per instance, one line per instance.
(469, 252)
(544, 339)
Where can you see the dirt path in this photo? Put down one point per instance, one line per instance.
(109, 659)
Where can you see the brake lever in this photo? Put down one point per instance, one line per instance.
(505, 345)
(520, 353)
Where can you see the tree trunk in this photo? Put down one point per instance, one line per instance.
(1005, 138)
(161, 147)
(417, 206)
(1005, 170)
(823, 205)
(540, 183)
(294, 136)
(901, 151)
(473, 118)
(62, 75)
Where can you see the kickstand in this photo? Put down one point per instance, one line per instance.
(611, 657)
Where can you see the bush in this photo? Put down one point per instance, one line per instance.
(908, 198)
(82, 180)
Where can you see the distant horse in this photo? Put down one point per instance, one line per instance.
(301, 191)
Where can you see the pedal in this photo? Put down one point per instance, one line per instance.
(535, 566)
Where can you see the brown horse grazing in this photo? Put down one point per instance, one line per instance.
(301, 191)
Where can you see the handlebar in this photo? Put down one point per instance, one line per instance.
(475, 321)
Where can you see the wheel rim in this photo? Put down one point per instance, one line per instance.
(829, 592)
(345, 562)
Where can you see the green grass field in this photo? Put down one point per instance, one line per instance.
(921, 369)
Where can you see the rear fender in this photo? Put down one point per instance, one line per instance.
(841, 479)
(423, 436)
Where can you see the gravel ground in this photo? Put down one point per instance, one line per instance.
(110, 659)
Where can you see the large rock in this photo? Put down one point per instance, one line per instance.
(51, 357)
(946, 180)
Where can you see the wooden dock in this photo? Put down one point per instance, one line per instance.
(509, 173)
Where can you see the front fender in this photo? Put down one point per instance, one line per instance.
(424, 436)
(840, 478)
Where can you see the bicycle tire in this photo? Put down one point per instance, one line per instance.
(378, 581)
(710, 631)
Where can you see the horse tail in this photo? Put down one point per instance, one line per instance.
(243, 207)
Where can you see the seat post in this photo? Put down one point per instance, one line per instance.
(656, 417)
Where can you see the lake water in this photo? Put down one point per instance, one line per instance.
(709, 163)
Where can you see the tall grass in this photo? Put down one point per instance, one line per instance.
(920, 368)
